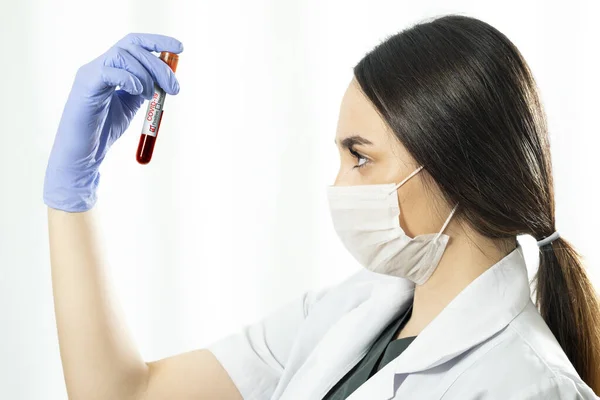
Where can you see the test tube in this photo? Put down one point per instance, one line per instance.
(154, 114)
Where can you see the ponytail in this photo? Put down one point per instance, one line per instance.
(570, 307)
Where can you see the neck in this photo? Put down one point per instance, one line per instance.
(464, 259)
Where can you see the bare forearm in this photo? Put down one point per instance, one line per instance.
(99, 359)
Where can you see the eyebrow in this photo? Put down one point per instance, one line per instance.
(353, 140)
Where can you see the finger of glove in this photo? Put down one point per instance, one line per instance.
(119, 77)
(159, 70)
(118, 57)
(153, 42)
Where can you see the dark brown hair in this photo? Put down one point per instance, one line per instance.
(462, 100)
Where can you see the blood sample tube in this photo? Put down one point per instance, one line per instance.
(154, 114)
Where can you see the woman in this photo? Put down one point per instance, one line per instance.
(444, 161)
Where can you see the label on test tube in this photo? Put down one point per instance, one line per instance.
(155, 109)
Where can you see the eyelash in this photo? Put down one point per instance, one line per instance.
(358, 158)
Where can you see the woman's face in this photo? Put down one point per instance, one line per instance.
(371, 154)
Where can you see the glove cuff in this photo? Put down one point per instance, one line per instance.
(71, 191)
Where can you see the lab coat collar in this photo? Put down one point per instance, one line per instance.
(481, 310)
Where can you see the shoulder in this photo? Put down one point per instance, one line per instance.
(524, 362)
(351, 290)
(334, 301)
(558, 386)
(326, 305)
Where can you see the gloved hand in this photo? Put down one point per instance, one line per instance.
(96, 115)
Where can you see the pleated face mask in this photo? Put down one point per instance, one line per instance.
(367, 220)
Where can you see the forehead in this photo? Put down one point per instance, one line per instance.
(358, 116)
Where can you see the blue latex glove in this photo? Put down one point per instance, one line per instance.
(96, 115)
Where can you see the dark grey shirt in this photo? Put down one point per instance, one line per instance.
(382, 351)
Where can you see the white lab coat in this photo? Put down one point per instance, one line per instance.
(490, 342)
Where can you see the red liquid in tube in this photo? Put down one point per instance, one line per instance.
(154, 114)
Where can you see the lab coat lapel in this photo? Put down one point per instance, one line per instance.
(348, 340)
(480, 311)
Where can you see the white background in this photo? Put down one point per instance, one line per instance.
(230, 218)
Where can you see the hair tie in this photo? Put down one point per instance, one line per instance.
(548, 239)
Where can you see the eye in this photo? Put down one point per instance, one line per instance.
(362, 161)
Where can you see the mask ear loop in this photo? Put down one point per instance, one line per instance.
(407, 178)
(446, 223)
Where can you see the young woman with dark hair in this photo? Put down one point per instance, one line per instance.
(444, 162)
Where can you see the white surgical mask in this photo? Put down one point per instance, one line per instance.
(367, 220)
